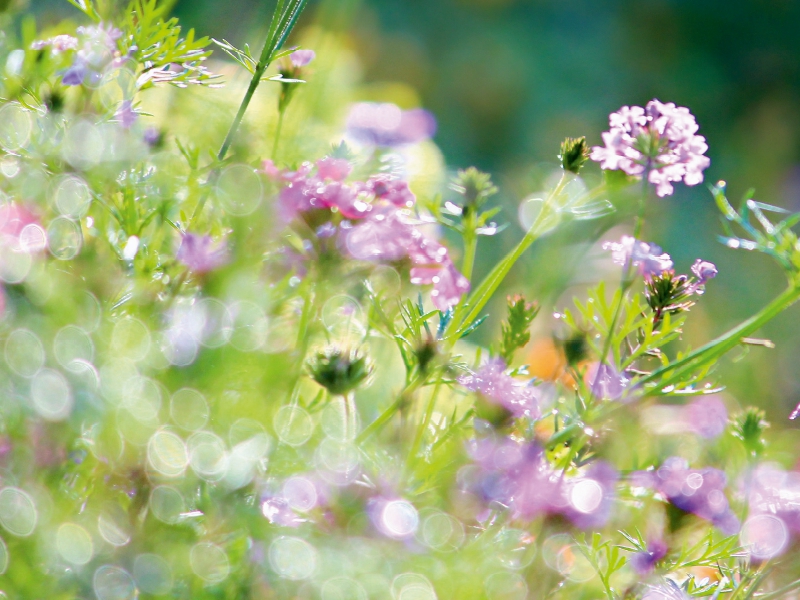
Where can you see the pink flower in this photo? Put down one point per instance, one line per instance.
(492, 382)
(648, 258)
(388, 125)
(200, 254)
(704, 271)
(336, 169)
(449, 286)
(300, 58)
(394, 191)
(707, 417)
(659, 140)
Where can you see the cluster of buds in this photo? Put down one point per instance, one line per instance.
(668, 293)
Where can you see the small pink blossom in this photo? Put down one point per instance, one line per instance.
(704, 270)
(494, 384)
(200, 254)
(660, 140)
(388, 125)
(336, 169)
(648, 258)
(300, 58)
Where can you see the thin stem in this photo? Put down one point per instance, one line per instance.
(470, 247)
(426, 419)
(391, 410)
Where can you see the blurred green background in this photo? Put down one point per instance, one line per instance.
(509, 79)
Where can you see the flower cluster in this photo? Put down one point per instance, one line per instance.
(371, 220)
(647, 258)
(698, 491)
(519, 477)
(388, 125)
(658, 141)
(492, 382)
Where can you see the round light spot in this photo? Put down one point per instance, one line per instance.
(340, 422)
(209, 562)
(442, 532)
(293, 425)
(17, 512)
(112, 525)
(514, 548)
(412, 586)
(14, 266)
(571, 563)
(300, 493)
(399, 519)
(64, 238)
(71, 344)
(74, 544)
(131, 338)
(83, 145)
(339, 463)
(239, 190)
(250, 326)
(764, 536)
(167, 504)
(167, 453)
(292, 558)
(24, 352)
(506, 586)
(142, 398)
(3, 557)
(344, 318)
(32, 238)
(207, 456)
(218, 322)
(16, 125)
(51, 395)
(114, 583)
(152, 574)
(189, 409)
(342, 588)
(586, 496)
(72, 196)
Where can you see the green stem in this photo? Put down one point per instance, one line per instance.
(475, 303)
(714, 349)
(391, 410)
(470, 247)
(426, 419)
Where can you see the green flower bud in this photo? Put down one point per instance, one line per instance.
(339, 371)
(574, 153)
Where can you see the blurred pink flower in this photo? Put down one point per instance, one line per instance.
(200, 254)
(494, 384)
(388, 125)
(300, 58)
(648, 258)
(707, 417)
(659, 140)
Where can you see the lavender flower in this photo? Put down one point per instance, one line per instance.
(648, 258)
(58, 44)
(388, 125)
(707, 417)
(492, 382)
(659, 140)
(200, 254)
(704, 271)
(300, 58)
(644, 562)
(605, 381)
(126, 115)
(698, 491)
(98, 51)
(774, 491)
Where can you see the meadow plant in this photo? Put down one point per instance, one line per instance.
(258, 372)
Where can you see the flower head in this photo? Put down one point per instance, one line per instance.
(658, 141)
(200, 254)
(644, 562)
(648, 258)
(300, 58)
(704, 270)
(494, 384)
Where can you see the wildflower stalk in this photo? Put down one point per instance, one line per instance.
(423, 424)
(470, 247)
(478, 299)
(283, 21)
(278, 128)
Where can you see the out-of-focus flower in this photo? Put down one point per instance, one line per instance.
(704, 270)
(772, 490)
(96, 52)
(493, 383)
(200, 253)
(300, 58)
(393, 190)
(519, 477)
(658, 140)
(666, 591)
(644, 562)
(698, 491)
(605, 382)
(707, 417)
(336, 169)
(58, 44)
(648, 258)
(125, 114)
(449, 286)
(388, 125)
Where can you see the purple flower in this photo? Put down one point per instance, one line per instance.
(200, 254)
(659, 140)
(605, 382)
(644, 562)
(388, 125)
(300, 58)
(519, 477)
(97, 51)
(59, 44)
(698, 491)
(492, 382)
(126, 115)
(774, 491)
(449, 286)
(707, 417)
(336, 169)
(704, 271)
(648, 258)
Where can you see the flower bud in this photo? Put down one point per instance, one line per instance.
(574, 153)
(339, 371)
